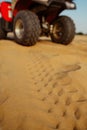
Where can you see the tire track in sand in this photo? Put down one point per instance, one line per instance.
(48, 100)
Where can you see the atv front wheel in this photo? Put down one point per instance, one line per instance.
(26, 28)
(63, 30)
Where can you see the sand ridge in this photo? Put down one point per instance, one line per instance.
(43, 87)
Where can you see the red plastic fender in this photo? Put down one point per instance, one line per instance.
(6, 11)
(0, 12)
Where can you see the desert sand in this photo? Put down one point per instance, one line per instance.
(43, 87)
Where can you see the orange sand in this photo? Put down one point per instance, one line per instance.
(43, 87)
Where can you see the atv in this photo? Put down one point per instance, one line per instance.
(29, 19)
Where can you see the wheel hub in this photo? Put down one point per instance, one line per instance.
(57, 31)
(19, 29)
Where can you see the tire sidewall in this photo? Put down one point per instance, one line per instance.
(19, 17)
(31, 27)
(68, 30)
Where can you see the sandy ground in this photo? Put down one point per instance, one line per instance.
(43, 87)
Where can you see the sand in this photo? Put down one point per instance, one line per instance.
(43, 87)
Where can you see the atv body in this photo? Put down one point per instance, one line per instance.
(28, 19)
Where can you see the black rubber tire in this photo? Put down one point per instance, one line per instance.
(65, 30)
(29, 28)
(2, 33)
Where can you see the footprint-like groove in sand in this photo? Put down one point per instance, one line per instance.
(77, 114)
(4, 96)
(70, 68)
(68, 101)
(50, 110)
(60, 93)
(2, 101)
